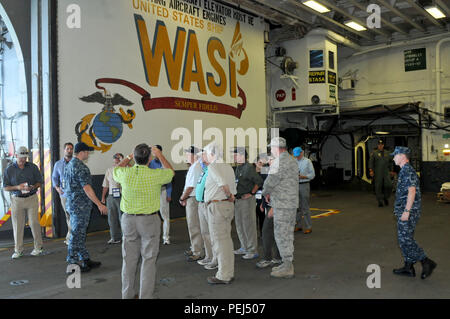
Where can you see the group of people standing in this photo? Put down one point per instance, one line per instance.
(214, 194)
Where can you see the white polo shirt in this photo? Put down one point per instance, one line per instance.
(219, 174)
(109, 182)
(192, 177)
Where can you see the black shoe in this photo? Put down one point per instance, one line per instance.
(407, 270)
(427, 267)
(386, 202)
(73, 270)
(84, 267)
(380, 203)
(92, 264)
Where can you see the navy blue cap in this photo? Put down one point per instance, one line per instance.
(240, 150)
(401, 150)
(193, 150)
(79, 147)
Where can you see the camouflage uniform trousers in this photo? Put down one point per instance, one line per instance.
(284, 224)
(405, 231)
(79, 221)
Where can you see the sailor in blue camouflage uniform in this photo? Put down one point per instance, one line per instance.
(407, 209)
(80, 195)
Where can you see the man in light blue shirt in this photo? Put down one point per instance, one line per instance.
(166, 197)
(305, 174)
(58, 182)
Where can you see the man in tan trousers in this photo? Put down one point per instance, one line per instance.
(141, 225)
(220, 188)
(189, 201)
(23, 180)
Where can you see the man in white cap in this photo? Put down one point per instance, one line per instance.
(189, 201)
(23, 180)
(281, 190)
(220, 188)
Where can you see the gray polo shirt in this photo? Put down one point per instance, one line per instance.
(14, 176)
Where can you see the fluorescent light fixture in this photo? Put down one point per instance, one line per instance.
(435, 12)
(355, 26)
(382, 133)
(316, 6)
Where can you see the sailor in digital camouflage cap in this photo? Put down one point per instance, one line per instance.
(407, 209)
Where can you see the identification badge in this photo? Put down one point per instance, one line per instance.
(25, 192)
(258, 195)
(200, 178)
(116, 192)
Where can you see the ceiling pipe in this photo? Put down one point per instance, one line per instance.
(439, 107)
(335, 37)
(403, 43)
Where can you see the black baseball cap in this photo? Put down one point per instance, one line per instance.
(192, 149)
(80, 147)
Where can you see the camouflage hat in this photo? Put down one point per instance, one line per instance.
(401, 150)
(278, 142)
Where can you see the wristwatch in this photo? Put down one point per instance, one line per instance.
(407, 210)
(128, 157)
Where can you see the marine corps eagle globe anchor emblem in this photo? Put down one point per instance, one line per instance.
(107, 126)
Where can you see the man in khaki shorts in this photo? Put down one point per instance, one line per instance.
(23, 180)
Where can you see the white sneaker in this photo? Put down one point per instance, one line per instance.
(250, 256)
(37, 252)
(203, 262)
(211, 266)
(277, 261)
(240, 251)
(263, 263)
(166, 242)
(277, 268)
(17, 255)
(112, 242)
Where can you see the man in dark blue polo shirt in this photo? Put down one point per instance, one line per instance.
(23, 180)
